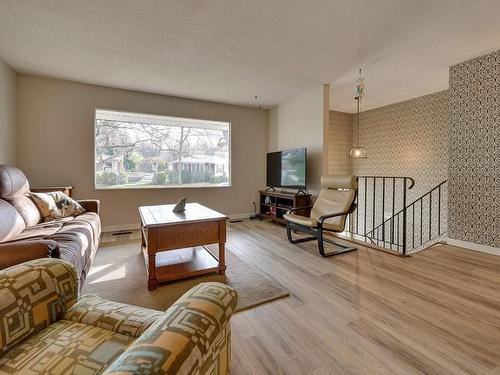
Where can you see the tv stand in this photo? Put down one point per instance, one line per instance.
(273, 204)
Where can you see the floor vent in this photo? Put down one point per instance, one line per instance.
(121, 233)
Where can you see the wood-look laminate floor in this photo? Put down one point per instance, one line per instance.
(367, 312)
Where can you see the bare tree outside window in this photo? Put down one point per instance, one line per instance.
(135, 150)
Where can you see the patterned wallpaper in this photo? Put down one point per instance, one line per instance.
(408, 138)
(474, 173)
(452, 134)
(340, 142)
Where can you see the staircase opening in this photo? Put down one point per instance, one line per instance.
(387, 219)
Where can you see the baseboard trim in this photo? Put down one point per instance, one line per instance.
(121, 227)
(239, 216)
(474, 246)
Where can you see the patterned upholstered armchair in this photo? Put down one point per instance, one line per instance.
(47, 329)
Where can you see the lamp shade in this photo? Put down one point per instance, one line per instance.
(357, 153)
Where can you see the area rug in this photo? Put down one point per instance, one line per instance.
(118, 274)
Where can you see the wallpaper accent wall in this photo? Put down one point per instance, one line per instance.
(474, 152)
(408, 138)
(340, 142)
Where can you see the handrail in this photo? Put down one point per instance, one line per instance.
(412, 203)
(412, 181)
(397, 186)
(433, 231)
(409, 225)
(429, 192)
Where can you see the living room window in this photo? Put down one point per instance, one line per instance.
(138, 151)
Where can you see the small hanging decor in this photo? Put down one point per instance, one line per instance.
(358, 152)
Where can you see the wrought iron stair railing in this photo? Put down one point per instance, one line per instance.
(384, 218)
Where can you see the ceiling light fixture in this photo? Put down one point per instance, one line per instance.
(358, 152)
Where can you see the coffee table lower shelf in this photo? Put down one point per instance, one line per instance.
(182, 263)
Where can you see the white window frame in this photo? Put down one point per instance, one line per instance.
(154, 187)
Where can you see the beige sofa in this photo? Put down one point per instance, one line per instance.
(24, 236)
(50, 330)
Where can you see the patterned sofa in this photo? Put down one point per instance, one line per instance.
(47, 329)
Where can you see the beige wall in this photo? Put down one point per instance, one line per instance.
(299, 122)
(7, 114)
(56, 139)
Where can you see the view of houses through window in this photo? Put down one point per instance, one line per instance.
(135, 150)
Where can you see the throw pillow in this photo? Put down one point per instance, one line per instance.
(56, 205)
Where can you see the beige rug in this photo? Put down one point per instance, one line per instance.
(118, 274)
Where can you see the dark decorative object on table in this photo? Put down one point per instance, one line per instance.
(180, 206)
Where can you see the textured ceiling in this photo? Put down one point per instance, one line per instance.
(231, 50)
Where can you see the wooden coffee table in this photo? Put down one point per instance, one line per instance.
(173, 244)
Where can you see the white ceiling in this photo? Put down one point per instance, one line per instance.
(231, 50)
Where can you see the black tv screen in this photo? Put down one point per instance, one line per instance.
(287, 168)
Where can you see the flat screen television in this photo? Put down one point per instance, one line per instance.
(287, 169)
